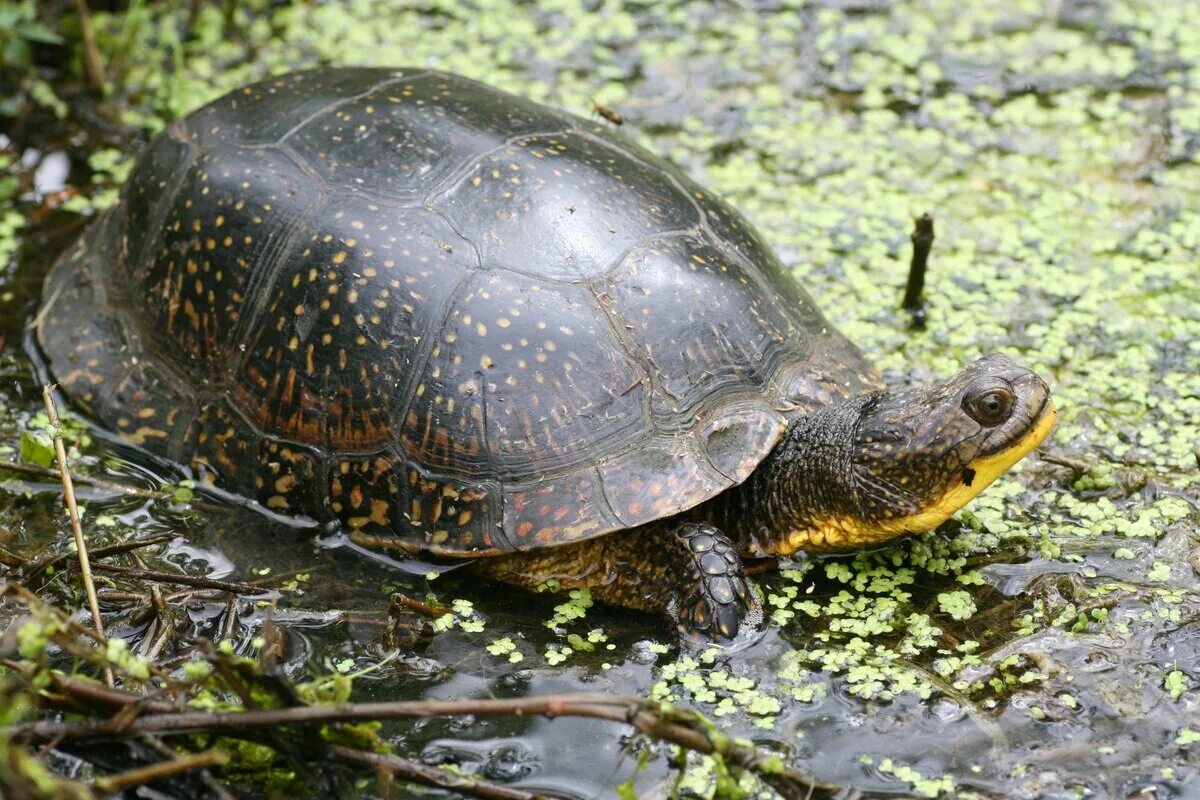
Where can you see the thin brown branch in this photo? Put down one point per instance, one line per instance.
(85, 570)
(113, 784)
(95, 695)
(679, 726)
(415, 772)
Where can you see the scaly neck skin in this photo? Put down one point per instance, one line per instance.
(800, 492)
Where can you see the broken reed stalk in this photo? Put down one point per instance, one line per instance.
(922, 240)
(85, 568)
(92, 70)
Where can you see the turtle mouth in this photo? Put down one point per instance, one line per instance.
(989, 465)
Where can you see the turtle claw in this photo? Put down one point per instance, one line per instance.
(714, 598)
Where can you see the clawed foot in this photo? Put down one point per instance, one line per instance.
(715, 598)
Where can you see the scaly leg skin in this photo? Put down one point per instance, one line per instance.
(689, 572)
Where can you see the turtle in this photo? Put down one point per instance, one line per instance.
(458, 323)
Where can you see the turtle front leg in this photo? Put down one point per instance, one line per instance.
(689, 572)
(713, 596)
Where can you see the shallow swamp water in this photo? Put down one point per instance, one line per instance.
(1044, 643)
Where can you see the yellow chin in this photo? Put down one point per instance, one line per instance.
(849, 533)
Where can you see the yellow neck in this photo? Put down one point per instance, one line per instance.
(850, 533)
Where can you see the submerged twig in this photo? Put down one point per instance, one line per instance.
(33, 470)
(32, 568)
(182, 580)
(85, 570)
(422, 608)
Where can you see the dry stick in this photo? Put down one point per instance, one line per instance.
(113, 784)
(678, 726)
(85, 569)
(91, 53)
(415, 772)
(94, 694)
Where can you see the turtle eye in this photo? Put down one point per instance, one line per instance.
(989, 404)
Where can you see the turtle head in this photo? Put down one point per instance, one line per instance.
(903, 462)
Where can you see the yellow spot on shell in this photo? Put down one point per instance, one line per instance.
(339, 257)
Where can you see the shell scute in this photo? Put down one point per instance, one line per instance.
(564, 206)
(344, 321)
(222, 235)
(405, 138)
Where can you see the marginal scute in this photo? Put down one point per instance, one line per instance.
(364, 492)
(153, 410)
(567, 509)
(84, 342)
(451, 515)
(224, 447)
(287, 477)
(737, 437)
(656, 479)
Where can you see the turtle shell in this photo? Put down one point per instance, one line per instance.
(435, 311)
